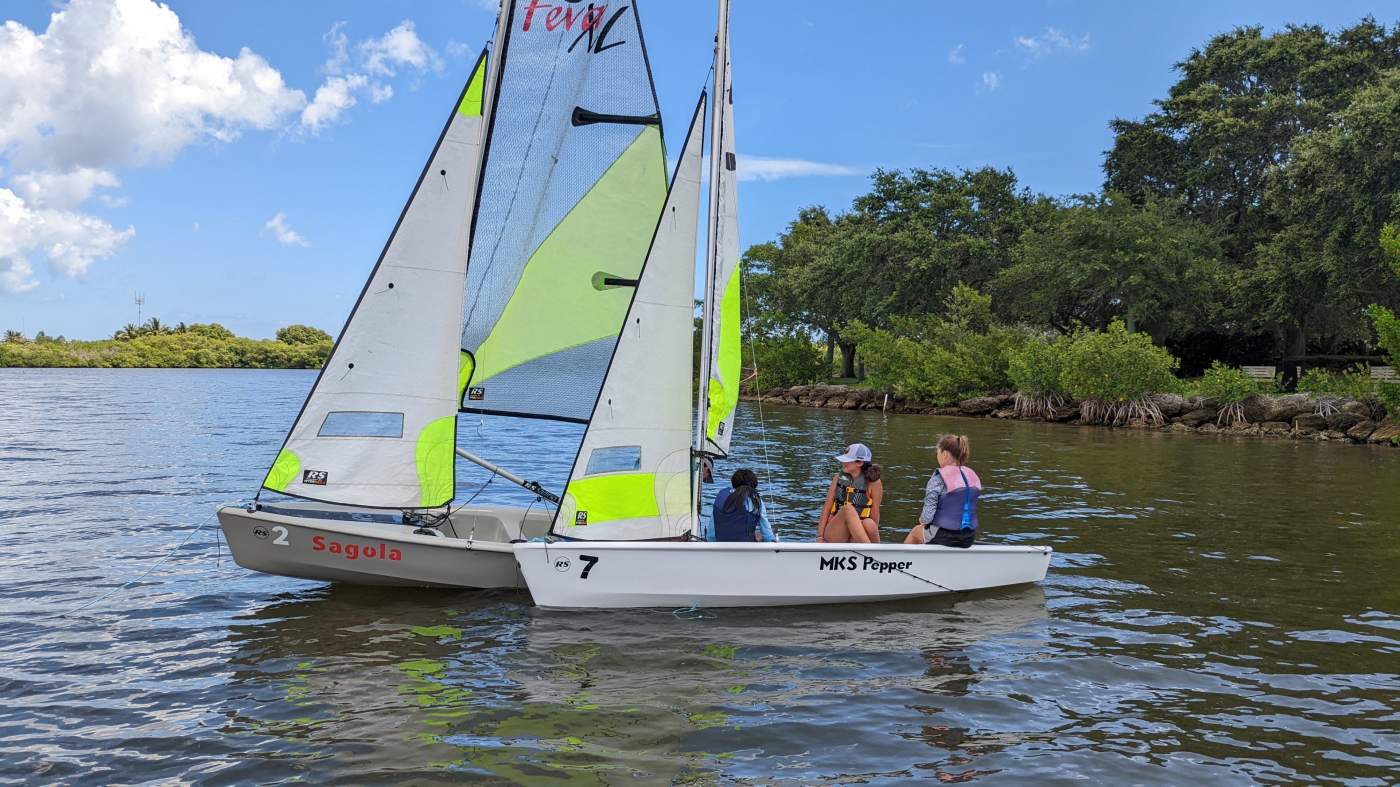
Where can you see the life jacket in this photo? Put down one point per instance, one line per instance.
(958, 508)
(851, 490)
(738, 524)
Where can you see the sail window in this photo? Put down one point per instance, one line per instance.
(361, 424)
(614, 459)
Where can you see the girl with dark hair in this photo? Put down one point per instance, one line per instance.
(738, 513)
(851, 513)
(949, 516)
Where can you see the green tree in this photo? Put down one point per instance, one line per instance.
(14, 337)
(211, 330)
(1328, 261)
(1227, 129)
(1104, 258)
(302, 334)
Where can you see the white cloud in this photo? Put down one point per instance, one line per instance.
(63, 190)
(360, 70)
(991, 80)
(956, 56)
(16, 276)
(1052, 41)
(116, 83)
(768, 169)
(397, 48)
(195, 228)
(283, 232)
(109, 84)
(71, 241)
(331, 101)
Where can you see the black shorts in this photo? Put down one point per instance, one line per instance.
(944, 537)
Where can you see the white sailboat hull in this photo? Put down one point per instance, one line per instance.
(683, 574)
(473, 551)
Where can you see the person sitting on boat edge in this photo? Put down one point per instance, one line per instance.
(738, 513)
(851, 513)
(949, 515)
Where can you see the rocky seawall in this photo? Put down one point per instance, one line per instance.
(1293, 416)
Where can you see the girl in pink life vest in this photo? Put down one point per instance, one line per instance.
(949, 515)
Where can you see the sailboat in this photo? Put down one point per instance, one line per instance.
(620, 536)
(501, 291)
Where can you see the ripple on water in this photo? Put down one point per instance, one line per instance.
(1181, 637)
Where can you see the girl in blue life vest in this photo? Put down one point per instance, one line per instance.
(851, 513)
(738, 513)
(949, 516)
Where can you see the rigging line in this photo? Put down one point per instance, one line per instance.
(910, 574)
(758, 389)
(144, 574)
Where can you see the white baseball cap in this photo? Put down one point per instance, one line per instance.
(855, 452)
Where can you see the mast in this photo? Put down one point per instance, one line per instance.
(712, 240)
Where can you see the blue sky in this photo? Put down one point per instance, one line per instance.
(259, 211)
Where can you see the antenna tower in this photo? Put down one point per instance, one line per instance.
(140, 301)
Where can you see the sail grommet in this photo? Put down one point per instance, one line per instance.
(391, 285)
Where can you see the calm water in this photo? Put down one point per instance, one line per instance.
(1219, 611)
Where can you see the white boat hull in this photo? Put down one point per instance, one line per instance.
(473, 551)
(578, 574)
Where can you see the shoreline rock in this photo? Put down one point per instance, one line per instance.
(1292, 416)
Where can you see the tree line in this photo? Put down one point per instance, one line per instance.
(154, 344)
(1244, 221)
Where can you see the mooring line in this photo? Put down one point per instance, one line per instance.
(144, 574)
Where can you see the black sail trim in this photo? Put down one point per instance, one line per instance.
(568, 419)
(584, 117)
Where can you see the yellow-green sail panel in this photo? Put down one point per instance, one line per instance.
(557, 305)
(727, 367)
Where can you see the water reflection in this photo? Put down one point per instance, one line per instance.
(489, 686)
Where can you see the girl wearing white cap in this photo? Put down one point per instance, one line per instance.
(851, 513)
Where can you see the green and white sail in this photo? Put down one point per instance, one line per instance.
(575, 176)
(379, 426)
(632, 477)
(719, 389)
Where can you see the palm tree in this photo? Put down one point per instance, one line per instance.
(14, 337)
(180, 327)
(128, 332)
(154, 327)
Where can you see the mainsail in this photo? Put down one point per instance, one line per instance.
(575, 174)
(631, 478)
(719, 388)
(379, 426)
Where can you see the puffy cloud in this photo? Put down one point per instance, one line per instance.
(1052, 41)
(768, 169)
(16, 276)
(63, 189)
(108, 84)
(991, 80)
(71, 241)
(359, 70)
(331, 101)
(956, 56)
(397, 48)
(115, 83)
(285, 235)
